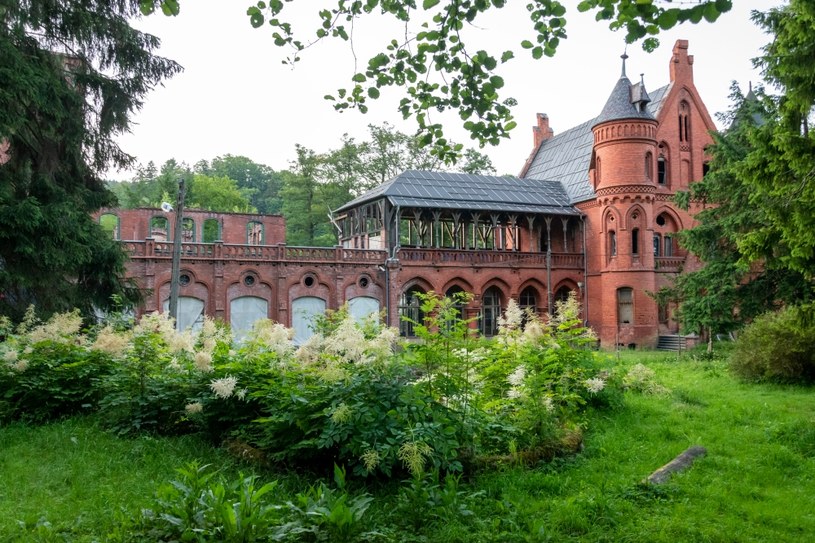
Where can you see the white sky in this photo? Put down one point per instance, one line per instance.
(236, 97)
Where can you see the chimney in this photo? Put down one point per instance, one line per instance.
(681, 66)
(542, 131)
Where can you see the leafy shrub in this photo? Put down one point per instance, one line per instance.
(199, 507)
(47, 371)
(777, 347)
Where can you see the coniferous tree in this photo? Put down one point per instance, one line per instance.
(72, 73)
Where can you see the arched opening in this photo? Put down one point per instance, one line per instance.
(662, 170)
(451, 293)
(159, 228)
(490, 311)
(190, 312)
(625, 305)
(187, 230)
(410, 312)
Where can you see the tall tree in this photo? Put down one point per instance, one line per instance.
(217, 194)
(72, 73)
(732, 287)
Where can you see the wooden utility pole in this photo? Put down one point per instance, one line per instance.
(179, 219)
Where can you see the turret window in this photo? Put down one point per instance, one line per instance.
(662, 170)
(625, 305)
(684, 122)
(635, 241)
(649, 166)
(612, 243)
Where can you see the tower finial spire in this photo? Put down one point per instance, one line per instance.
(624, 56)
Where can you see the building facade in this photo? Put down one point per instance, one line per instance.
(592, 212)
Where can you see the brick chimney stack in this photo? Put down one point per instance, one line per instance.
(681, 66)
(542, 132)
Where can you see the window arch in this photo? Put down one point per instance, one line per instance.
(254, 233)
(528, 300)
(490, 311)
(410, 312)
(452, 291)
(625, 305)
(662, 170)
(684, 122)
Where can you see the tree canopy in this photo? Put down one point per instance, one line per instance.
(437, 63)
(72, 73)
(755, 235)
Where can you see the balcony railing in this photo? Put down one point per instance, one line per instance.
(150, 249)
(669, 263)
(453, 257)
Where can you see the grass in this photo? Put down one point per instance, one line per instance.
(755, 484)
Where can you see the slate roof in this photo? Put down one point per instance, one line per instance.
(565, 157)
(443, 190)
(619, 106)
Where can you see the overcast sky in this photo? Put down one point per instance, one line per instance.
(236, 97)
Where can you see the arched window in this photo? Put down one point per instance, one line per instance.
(528, 300)
(254, 233)
(304, 313)
(649, 166)
(625, 305)
(561, 296)
(410, 312)
(662, 170)
(684, 122)
(490, 311)
(362, 307)
(612, 243)
(244, 312)
(212, 231)
(451, 292)
(110, 224)
(635, 241)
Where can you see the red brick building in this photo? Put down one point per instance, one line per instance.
(591, 212)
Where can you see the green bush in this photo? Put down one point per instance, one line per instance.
(777, 347)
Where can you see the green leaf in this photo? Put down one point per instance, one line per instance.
(427, 4)
(359, 78)
(373, 92)
(526, 44)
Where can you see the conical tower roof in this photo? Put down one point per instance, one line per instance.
(625, 102)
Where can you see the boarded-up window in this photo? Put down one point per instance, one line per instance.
(625, 305)
(244, 312)
(190, 312)
(303, 313)
(362, 307)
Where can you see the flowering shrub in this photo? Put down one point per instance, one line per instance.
(351, 394)
(46, 370)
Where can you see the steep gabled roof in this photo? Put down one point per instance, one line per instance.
(443, 190)
(565, 157)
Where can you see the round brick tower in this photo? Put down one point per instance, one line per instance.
(621, 270)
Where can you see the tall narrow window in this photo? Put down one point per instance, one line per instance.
(410, 312)
(212, 230)
(254, 233)
(649, 166)
(662, 170)
(612, 243)
(625, 305)
(635, 241)
(597, 173)
(110, 224)
(490, 311)
(159, 228)
(187, 230)
(656, 244)
(668, 246)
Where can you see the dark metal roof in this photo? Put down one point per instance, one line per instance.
(564, 159)
(443, 190)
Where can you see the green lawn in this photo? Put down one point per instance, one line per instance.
(69, 481)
